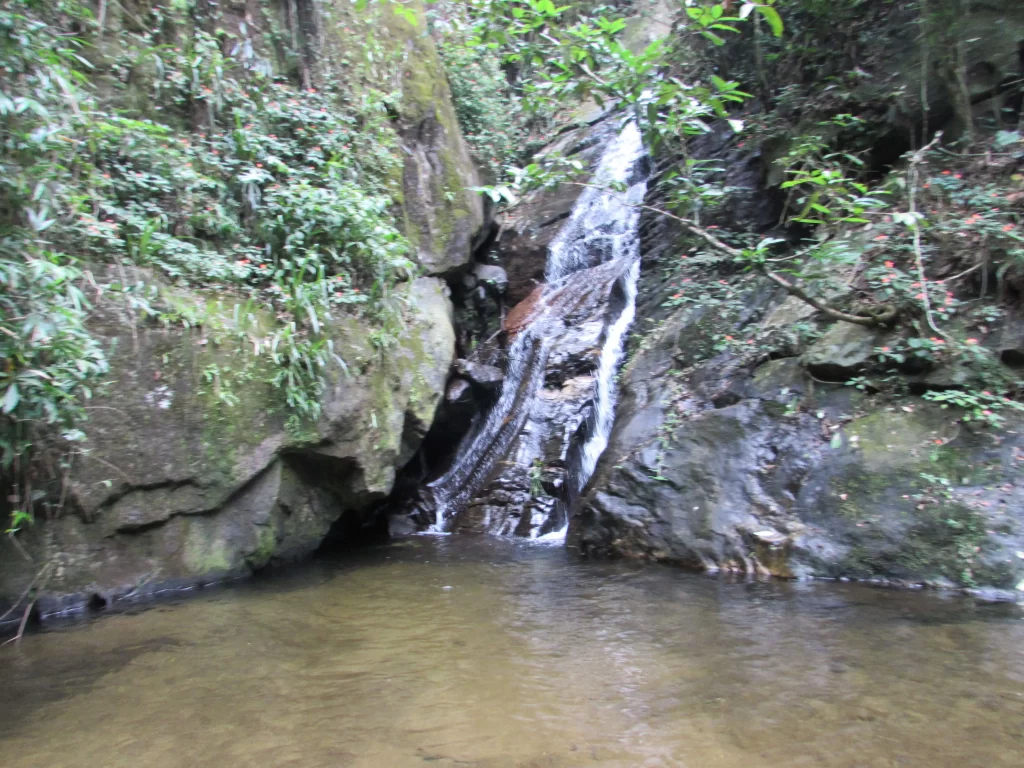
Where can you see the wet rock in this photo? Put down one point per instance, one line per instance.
(576, 354)
(493, 276)
(458, 392)
(487, 377)
(842, 352)
(524, 312)
(522, 248)
(759, 488)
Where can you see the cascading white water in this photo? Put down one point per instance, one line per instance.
(524, 371)
(601, 219)
(602, 229)
(605, 394)
(608, 366)
(627, 250)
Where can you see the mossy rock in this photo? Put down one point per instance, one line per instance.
(442, 215)
(175, 486)
(901, 492)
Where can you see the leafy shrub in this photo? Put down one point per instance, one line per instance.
(279, 195)
(487, 110)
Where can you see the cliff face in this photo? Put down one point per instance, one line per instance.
(193, 467)
(173, 487)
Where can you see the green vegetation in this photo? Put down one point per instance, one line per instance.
(486, 105)
(184, 155)
(889, 248)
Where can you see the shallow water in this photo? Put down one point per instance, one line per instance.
(439, 652)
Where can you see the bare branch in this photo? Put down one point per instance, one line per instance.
(882, 318)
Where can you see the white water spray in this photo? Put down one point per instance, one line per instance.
(608, 366)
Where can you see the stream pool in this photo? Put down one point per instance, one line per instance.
(438, 652)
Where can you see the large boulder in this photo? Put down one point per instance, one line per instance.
(193, 471)
(794, 478)
(443, 215)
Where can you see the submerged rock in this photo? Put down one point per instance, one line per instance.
(487, 377)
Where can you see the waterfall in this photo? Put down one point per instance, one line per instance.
(600, 221)
(608, 366)
(597, 248)
(524, 373)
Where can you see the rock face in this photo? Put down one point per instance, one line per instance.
(728, 459)
(522, 493)
(842, 352)
(443, 217)
(827, 489)
(174, 488)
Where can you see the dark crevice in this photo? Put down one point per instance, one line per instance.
(354, 530)
(97, 602)
(128, 488)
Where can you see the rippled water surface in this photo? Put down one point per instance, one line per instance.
(462, 652)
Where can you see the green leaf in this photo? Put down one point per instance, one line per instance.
(11, 398)
(772, 17)
(1005, 139)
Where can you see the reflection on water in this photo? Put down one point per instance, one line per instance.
(462, 652)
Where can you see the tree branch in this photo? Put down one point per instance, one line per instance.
(882, 318)
(915, 160)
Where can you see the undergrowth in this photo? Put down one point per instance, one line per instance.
(184, 156)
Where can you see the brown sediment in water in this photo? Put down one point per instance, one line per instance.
(481, 652)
